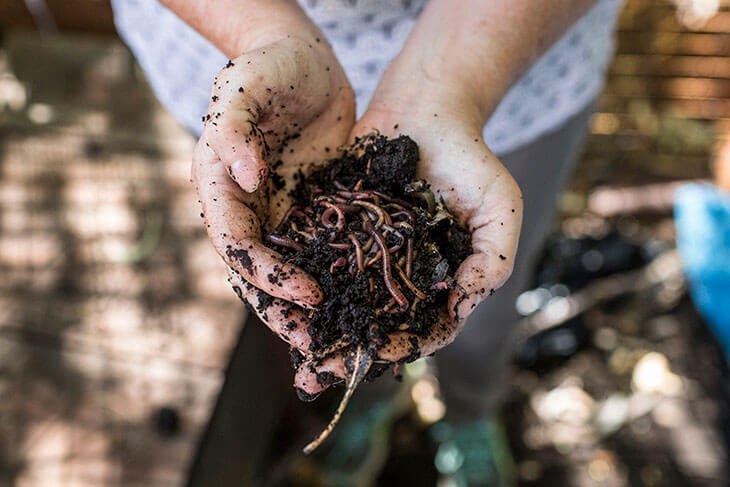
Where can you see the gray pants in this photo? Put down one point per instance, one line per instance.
(473, 369)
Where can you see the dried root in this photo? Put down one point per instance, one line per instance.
(357, 364)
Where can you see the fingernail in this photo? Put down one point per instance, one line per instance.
(241, 171)
(238, 171)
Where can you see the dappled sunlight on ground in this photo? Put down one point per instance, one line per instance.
(112, 302)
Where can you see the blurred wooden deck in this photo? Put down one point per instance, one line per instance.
(113, 304)
(667, 99)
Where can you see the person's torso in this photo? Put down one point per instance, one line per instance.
(366, 35)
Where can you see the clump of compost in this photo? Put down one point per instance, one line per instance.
(381, 246)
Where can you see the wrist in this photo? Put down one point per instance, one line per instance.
(235, 27)
(267, 29)
(424, 96)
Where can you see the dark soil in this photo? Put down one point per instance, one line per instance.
(376, 174)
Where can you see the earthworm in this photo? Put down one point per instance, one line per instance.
(354, 195)
(405, 225)
(350, 208)
(322, 198)
(381, 195)
(308, 235)
(288, 214)
(409, 284)
(374, 259)
(383, 217)
(413, 307)
(301, 214)
(358, 252)
(368, 245)
(392, 286)
(409, 258)
(401, 238)
(389, 305)
(340, 262)
(327, 215)
(391, 201)
(397, 247)
(365, 243)
(340, 199)
(405, 213)
(284, 242)
(440, 285)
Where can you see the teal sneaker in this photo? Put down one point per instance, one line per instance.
(474, 454)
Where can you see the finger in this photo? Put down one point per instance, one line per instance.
(310, 380)
(284, 318)
(243, 148)
(260, 100)
(235, 232)
(495, 228)
(407, 347)
(402, 347)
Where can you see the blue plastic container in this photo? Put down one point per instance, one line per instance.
(702, 215)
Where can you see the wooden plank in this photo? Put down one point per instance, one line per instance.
(13, 13)
(643, 146)
(633, 119)
(671, 43)
(705, 108)
(664, 18)
(658, 66)
(670, 87)
(89, 16)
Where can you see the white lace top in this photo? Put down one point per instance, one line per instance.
(366, 36)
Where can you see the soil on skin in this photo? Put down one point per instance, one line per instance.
(354, 308)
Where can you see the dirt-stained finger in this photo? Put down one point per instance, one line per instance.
(310, 380)
(285, 319)
(495, 230)
(234, 229)
(258, 101)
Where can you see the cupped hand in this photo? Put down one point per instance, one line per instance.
(478, 191)
(273, 111)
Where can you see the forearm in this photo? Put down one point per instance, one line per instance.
(237, 26)
(472, 51)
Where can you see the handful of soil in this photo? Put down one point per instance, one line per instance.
(382, 248)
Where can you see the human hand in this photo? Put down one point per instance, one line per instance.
(276, 108)
(478, 191)
(476, 188)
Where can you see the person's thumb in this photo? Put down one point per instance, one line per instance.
(261, 100)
